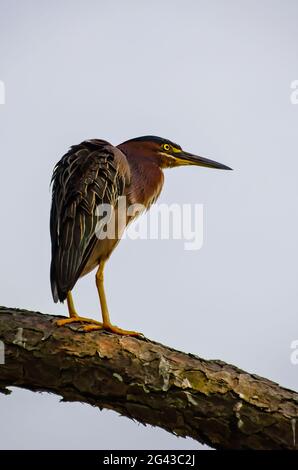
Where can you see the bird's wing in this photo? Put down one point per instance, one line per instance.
(91, 173)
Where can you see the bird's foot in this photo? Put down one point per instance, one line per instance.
(96, 325)
(66, 321)
(120, 331)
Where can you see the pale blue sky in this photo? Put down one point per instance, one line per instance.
(213, 76)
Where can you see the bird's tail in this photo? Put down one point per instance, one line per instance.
(58, 294)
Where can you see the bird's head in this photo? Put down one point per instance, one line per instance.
(166, 154)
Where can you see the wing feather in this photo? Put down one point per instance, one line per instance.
(91, 173)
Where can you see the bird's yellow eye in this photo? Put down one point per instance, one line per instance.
(166, 147)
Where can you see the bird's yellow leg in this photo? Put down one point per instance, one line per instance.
(75, 318)
(107, 325)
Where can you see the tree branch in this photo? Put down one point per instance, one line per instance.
(210, 401)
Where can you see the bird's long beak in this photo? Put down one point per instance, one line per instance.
(185, 158)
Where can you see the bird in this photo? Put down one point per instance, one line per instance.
(93, 175)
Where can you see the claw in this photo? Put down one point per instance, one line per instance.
(120, 331)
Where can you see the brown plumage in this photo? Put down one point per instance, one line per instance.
(89, 175)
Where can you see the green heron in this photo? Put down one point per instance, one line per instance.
(90, 175)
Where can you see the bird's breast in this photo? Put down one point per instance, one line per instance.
(146, 184)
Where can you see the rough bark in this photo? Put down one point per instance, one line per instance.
(210, 401)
